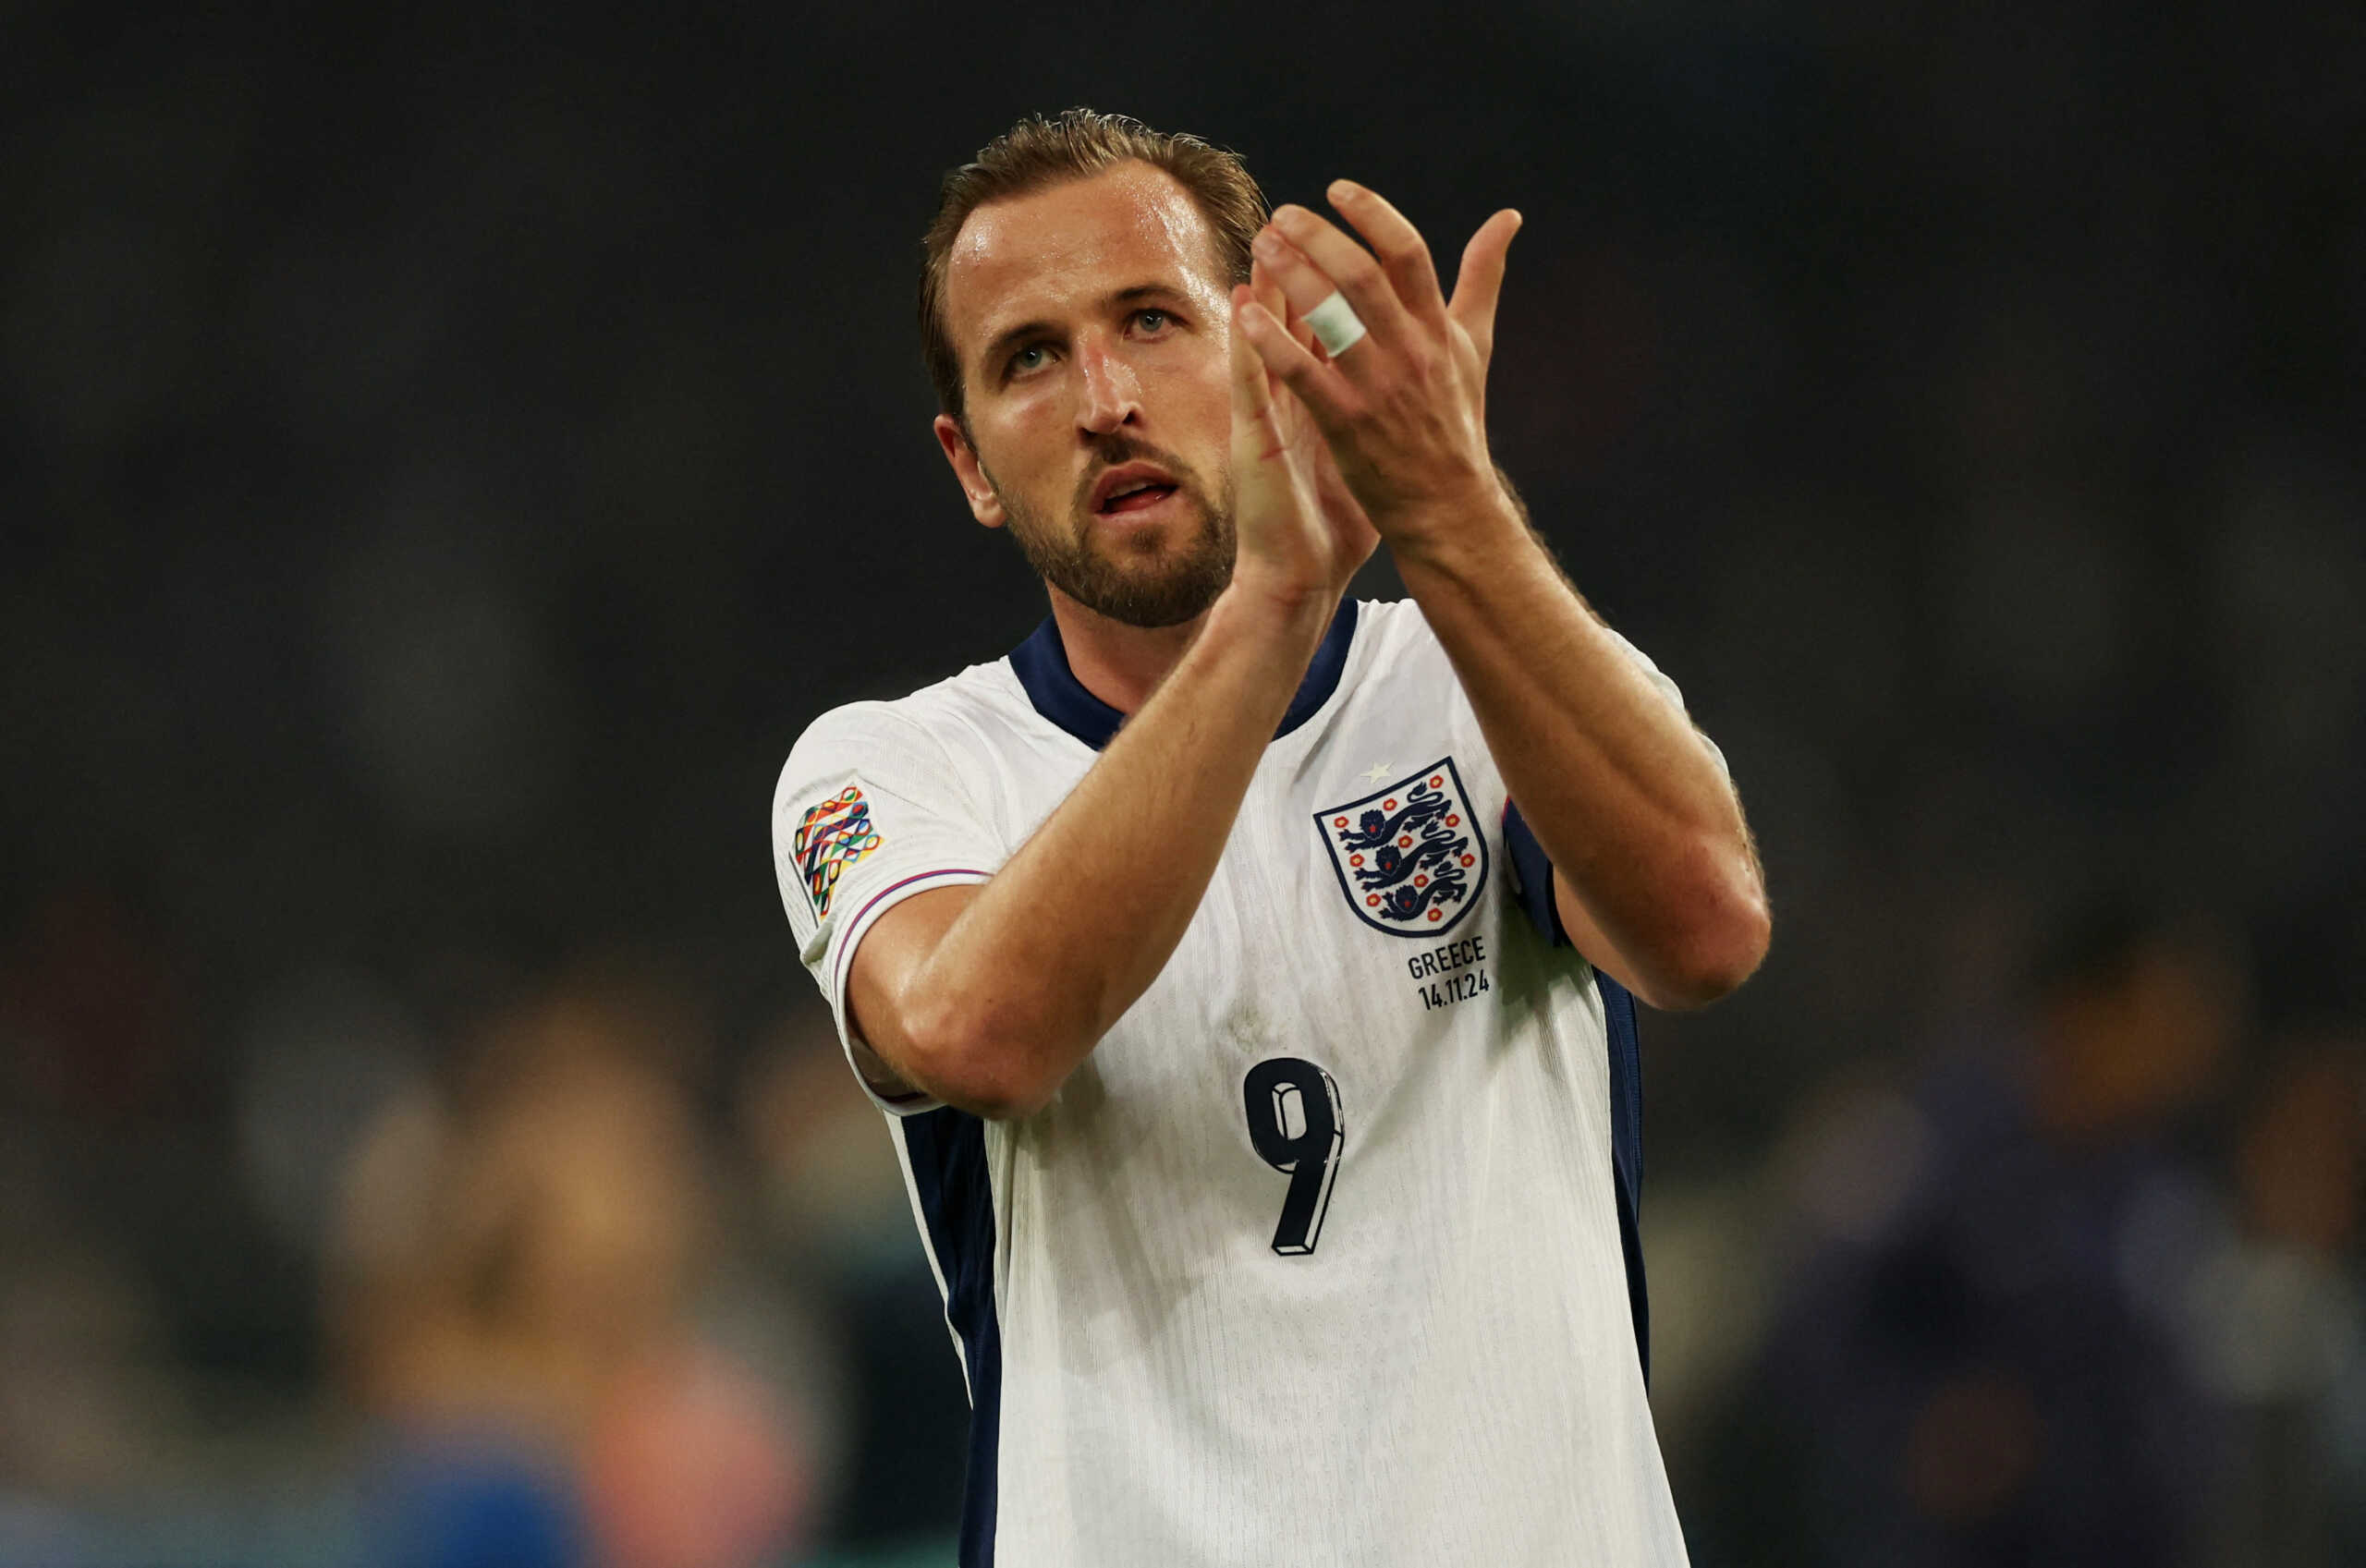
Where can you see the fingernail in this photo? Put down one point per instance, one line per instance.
(1344, 187)
(1265, 245)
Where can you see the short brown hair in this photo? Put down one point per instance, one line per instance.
(1078, 144)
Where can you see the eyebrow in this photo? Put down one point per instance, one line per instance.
(1009, 339)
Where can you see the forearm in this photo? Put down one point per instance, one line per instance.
(1622, 793)
(1074, 927)
(1638, 818)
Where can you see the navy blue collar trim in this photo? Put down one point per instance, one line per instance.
(1042, 665)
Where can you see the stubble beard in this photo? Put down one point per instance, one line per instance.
(1154, 577)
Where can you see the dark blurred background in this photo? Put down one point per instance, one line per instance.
(447, 455)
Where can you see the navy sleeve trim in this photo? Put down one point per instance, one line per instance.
(1533, 869)
(1627, 1150)
(947, 1149)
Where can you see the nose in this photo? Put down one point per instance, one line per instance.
(1112, 394)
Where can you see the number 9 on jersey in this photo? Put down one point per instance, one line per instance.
(1295, 1125)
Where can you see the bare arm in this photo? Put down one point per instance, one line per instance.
(987, 997)
(1654, 874)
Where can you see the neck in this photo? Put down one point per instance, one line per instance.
(1119, 663)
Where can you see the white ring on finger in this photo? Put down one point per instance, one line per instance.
(1335, 322)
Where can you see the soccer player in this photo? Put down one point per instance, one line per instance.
(1237, 962)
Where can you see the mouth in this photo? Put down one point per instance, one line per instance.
(1130, 488)
(1132, 501)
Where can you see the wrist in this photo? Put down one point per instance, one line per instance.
(1464, 536)
(1276, 612)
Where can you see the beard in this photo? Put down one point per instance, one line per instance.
(1151, 578)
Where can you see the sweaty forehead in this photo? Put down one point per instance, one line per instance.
(1061, 249)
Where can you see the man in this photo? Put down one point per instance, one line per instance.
(2001, 1361)
(1264, 1146)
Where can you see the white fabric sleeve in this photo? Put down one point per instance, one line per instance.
(870, 809)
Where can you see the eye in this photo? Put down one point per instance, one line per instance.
(1030, 357)
(1153, 318)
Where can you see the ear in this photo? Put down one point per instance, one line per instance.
(984, 504)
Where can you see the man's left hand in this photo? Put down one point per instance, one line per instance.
(1404, 409)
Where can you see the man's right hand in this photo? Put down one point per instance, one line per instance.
(1297, 544)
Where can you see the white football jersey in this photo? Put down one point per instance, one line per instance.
(1326, 1254)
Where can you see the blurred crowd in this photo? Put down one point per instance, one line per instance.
(446, 457)
(2072, 1285)
(509, 1299)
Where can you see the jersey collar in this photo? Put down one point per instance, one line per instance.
(1041, 664)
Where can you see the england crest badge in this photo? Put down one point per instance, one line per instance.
(1410, 856)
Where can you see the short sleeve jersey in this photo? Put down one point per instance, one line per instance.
(1326, 1254)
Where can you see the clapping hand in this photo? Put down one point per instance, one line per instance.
(1402, 411)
